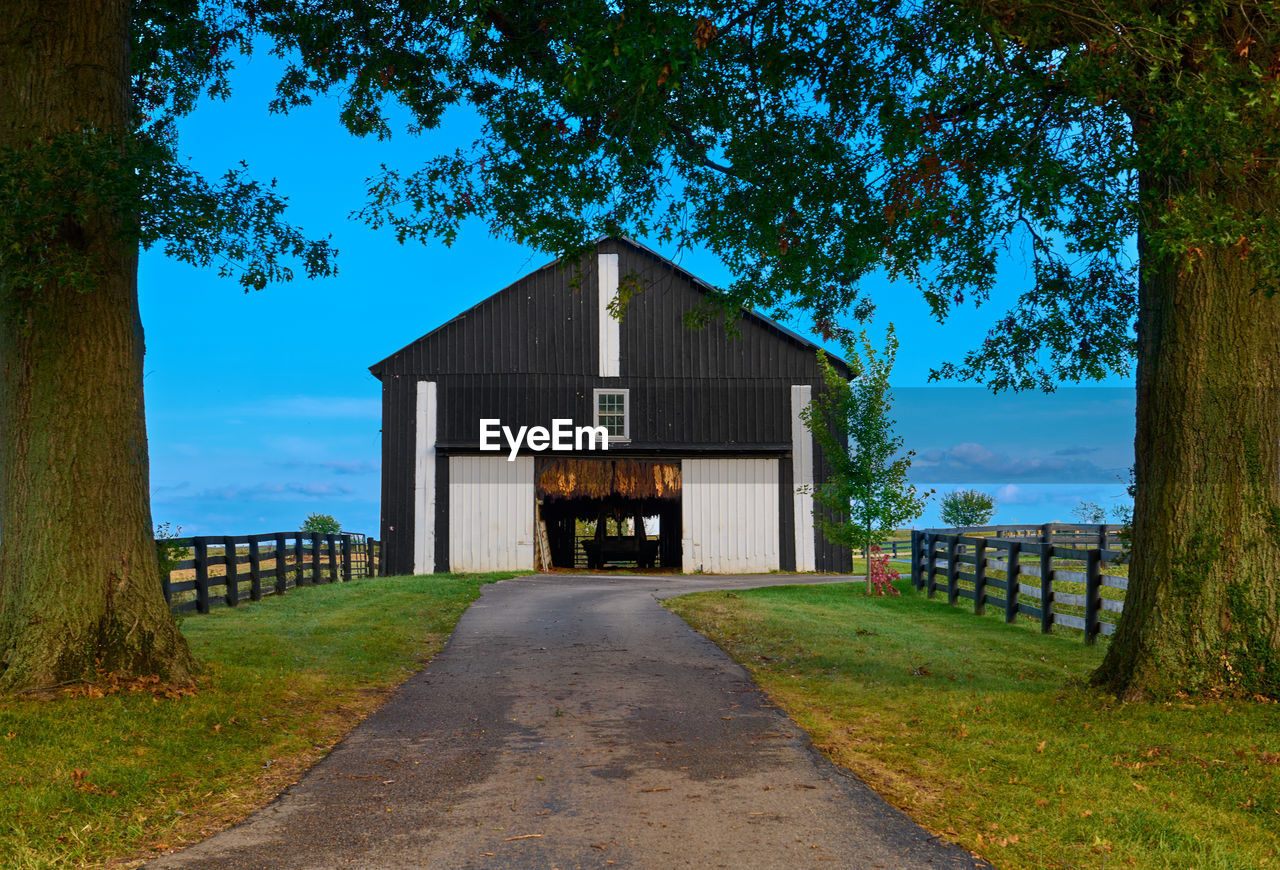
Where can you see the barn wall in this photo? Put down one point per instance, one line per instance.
(827, 556)
(541, 324)
(399, 432)
(729, 512)
(490, 514)
(666, 413)
(531, 353)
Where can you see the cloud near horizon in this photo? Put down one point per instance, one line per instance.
(971, 461)
(337, 467)
(267, 492)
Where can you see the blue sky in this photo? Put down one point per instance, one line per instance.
(261, 407)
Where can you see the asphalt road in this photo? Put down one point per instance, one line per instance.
(572, 722)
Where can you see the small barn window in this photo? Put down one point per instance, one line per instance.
(612, 412)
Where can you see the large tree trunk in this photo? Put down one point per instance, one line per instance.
(1203, 607)
(79, 580)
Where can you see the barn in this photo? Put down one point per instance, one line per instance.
(537, 409)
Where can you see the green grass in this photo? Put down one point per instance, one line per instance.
(987, 733)
(88, 781)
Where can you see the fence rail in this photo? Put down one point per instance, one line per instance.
(1065, 561)
(209, 571)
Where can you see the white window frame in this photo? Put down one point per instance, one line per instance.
(626, 410)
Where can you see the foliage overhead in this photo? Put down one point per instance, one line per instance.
(866, 494)
(182, 51)
(966, 507)
(810, 143)
(806, 144)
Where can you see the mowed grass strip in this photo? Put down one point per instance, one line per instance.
(987, 733)
(94, 781)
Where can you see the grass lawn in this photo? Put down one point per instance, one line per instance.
(987, 733)
(91, 781)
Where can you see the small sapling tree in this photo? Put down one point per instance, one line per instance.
(1089, 512)
(880, 577)
(967, 507)
(867, 494)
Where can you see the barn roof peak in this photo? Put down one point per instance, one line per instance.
(699, 284)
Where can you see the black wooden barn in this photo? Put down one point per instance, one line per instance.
(704, 430)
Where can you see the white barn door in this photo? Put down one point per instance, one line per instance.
(490, 513)
(730, 512)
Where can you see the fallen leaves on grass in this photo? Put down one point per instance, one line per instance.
(110, 683)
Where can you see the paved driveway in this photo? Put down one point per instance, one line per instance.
(573, 722)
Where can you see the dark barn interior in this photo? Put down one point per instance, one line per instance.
(608, 493)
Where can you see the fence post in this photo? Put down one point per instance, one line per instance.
(1103, 540)
(332, 541)
(229, 556)
(931, 575)
(347, 572)
(1012, 582)
(200, 546)
(980, 577)
(255, 569)
(300, 559)
(1046, 588)
(282, 560)
(953, 566)
(1092, 594)
(915, 560)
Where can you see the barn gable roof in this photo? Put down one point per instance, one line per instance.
(769, 325)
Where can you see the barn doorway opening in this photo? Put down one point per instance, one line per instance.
(609, 513)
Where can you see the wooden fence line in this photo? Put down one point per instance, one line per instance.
(933, 569)
(288, 559)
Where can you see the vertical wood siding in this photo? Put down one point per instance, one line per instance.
(490, 513)
(730, 515)
(399, 431)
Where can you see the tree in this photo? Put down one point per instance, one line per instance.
(967, 507)
(321, 524)
(808, 144)
(88, 172)
(866, 495)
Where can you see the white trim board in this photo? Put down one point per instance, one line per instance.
(802, 478)
(610, 340)
(424, 481)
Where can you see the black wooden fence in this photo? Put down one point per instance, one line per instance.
(1066, 560)
(215, 570)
